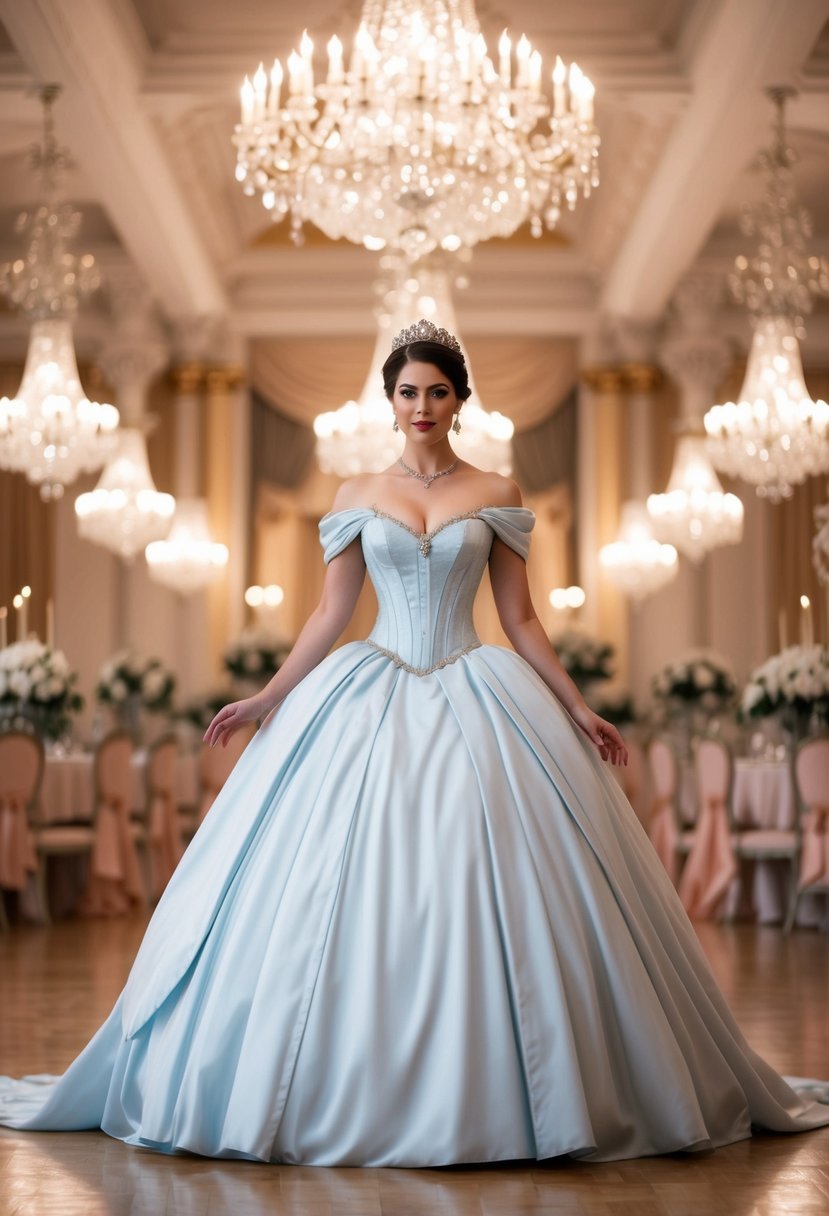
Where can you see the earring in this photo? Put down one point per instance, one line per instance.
(395, 427)
(456, 425)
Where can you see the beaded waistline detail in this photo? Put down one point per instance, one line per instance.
(421, 671)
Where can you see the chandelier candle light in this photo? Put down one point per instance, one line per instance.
(420, 141)
(125, 511)
(775, 436)
(188, 560)
(636, 562)
(50, 430)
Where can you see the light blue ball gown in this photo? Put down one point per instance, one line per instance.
(420, 925)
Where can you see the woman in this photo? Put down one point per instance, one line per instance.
(420, 924)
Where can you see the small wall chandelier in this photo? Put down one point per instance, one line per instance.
(420, 141)
(636, 562)
(50, 431)
(188, 560)
(358, 437)
(695, 514)
(775, 436)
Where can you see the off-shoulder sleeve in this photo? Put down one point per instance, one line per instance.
(339, 528)
(512, 525)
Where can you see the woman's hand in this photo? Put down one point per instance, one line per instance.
(603, 734)
(231, 717)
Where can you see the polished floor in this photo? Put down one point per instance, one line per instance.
(57, 985)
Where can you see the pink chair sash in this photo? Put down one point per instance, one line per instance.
(711, 865)
(17, 852)
(814, 857)
(165, 839)
(115, 874)
(663, 834)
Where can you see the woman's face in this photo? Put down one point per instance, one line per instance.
(424, 402)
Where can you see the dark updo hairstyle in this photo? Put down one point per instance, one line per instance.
(450, 363)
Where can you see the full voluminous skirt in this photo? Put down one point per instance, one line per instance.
(420, 925)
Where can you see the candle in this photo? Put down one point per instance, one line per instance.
(559, 76)
(575, 85)
(588, 90)
(25, 594)
(18, 607)
(782, 636)
(522, 55)
(306, 47)
(807, 637)
(335, 61)
(296, 72)
(260, 87)
(4, 637)
(504, 48)
(50, 623)
(276, 85)
(535, 71)
(246, 94)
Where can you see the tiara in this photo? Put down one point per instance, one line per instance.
(425, 331)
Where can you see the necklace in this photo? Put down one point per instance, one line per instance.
(426, 478)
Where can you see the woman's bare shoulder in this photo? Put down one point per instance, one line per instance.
(355, 492)
(495, 490)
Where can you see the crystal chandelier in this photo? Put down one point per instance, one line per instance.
(50, 431)
(188, 560)
(358, 437)
(636, 562)
(775, 436)
(420, 142)
(695, 514)
(125, 511)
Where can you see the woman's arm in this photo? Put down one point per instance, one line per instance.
(508, 576)
(343, 583)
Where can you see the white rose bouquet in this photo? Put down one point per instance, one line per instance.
(37, 683)
(585, 659)
(699, 679)
(128, 676)
(796, 680)
(255, 656)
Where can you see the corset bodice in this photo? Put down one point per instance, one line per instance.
(425, 582)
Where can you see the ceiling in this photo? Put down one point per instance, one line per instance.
(150, 97)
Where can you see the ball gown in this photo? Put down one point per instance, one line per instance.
(420, 925)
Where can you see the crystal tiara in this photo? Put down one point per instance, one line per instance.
(425, 331)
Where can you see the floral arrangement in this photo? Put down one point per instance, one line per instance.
(256, 655)
(130, 677)
(36, 682)
(698, 679)
(585, 659)
(795, 680)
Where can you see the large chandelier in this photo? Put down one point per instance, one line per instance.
(695, 514)
(50, 431)
(636, 562)
(125, 511)
(775, 436)
(420, 141)
(188, 560)
(358, 437)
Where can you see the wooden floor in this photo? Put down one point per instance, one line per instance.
(58, 984)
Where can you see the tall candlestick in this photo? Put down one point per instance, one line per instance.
(18, 608)
(807, 634)
(50, 623)
(335, 61)
(248, 102)
(4, 637)
(559, 77)
(25, 595)
(504, 49)
(782, 636)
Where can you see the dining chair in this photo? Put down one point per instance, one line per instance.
(217, 763)
(668, 834)
(115, 880)
(712, 863)
(21, 775)
(164, 843)
(810, 773)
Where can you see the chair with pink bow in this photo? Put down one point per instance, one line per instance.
(668, 835)
(217, 763)
(115, 882)
(810, 770)
(712, 861)
(163, 830)
(21, 774)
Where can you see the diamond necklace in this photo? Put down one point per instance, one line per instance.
(426, 478)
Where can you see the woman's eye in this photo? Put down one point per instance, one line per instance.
(439, 392)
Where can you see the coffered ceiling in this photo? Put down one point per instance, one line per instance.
(150, 97)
